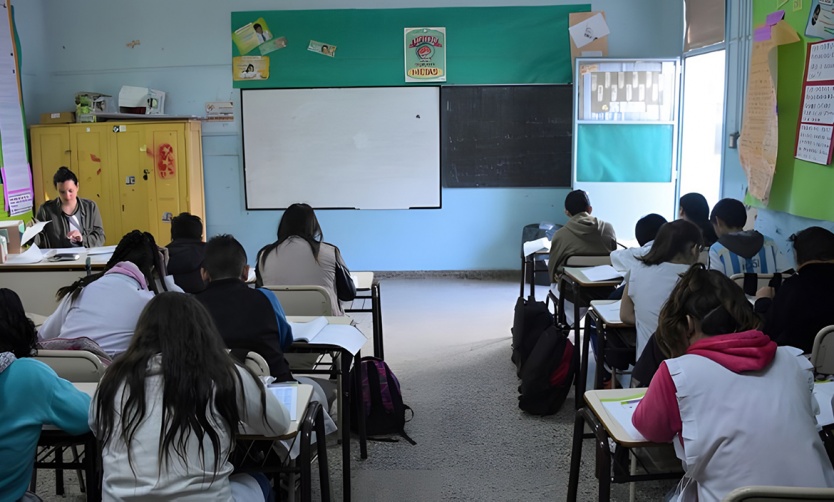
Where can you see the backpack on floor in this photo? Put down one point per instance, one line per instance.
(530, 320)
(381, 402)
(548, 373)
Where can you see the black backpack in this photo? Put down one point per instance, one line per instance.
(530, 320)
(381, 401)
(548, 373)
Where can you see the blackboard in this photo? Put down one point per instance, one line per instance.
(506, 136)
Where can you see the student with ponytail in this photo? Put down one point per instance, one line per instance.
(168, 411)
(740, 410)
(104, 306)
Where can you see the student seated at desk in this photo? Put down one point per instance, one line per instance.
(802, 306)
(246, 318)
(740, 409)
(583, 234)
(75, 221)
(31, 396)
(645, 232)
(676, 247)
(695, 209)
(168, 411)
(300, 257)
(105, 306)
(186, 252)
(740, 251)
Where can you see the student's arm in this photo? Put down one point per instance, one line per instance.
(610, 236)
(68, 407)
(284, 328)
(657, 416)
(51, 327)
(94, 236)
(277, 419)
(627, 308)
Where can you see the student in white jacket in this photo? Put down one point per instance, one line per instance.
(167, 411)
(105, 306)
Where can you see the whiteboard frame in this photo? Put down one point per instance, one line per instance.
(416, 184)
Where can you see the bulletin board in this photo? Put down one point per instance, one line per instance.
(485, 45)
(799, 187)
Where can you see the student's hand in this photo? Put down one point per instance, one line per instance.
(765, 292)
(75, 236)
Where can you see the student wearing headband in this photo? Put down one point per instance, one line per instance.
(728, 398)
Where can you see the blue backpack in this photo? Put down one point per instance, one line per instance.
(381, 403)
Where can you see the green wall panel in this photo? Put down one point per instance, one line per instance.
(485, 45)
(624, 153)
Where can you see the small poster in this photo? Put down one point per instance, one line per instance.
(821, 20)
(814, 131)
(425, 54)
(322, 48)
(250, 68)
(251, 35)
(814, 143)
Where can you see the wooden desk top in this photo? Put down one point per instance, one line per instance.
(595, 400)
(97, 262)
(608, 312)
(305, 393)
(576, 275)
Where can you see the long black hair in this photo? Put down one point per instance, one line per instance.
(298, 220)
(17, 332)
(199, 379)
(136, 247)
(673, 239)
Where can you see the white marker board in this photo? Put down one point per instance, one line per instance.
(362, 148)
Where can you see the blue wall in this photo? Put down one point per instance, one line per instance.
(185, 50)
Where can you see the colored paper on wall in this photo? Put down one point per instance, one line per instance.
(272, 45)
(250, 67)
(595, 48)
(588, 30)
(425, 54)
(322, 48)
(820, 20)
(814, 143)
(251, 35)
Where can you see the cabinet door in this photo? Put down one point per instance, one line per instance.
(50, 150)
(134, 180)
(167, 153)
(95, 168)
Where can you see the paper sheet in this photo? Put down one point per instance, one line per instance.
(609, 312)
(100, 250)
(32, 231)
(622, 410)
(589, 30)
(31, 255)
(342, 335)
(305, 331)
(287, 394)
(601, 273)
(534, 246)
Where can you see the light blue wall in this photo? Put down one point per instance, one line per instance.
(185, 50)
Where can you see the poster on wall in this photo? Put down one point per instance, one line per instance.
(425, 54)
(251, 35)
(821, 20)
(814, 130)
(250, 68)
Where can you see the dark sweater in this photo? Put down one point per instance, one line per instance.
(801, 307)
(185, 257)
(246, 320)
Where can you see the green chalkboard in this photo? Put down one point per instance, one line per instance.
(485, 45)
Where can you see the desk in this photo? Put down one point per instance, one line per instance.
(606, 313)
(579, 283)
(345, 358)
(531, 265)
(605, 427)
(368, 289)
(37, 283)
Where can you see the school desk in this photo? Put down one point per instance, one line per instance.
(605, 314)
(368, 291)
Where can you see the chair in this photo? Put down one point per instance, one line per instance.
(778, 494)
(822, 353)
(751, 283)
(558, 289)
(306, 300)
(257, 364)
(74, 365)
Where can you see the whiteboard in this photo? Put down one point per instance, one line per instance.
(358, 148)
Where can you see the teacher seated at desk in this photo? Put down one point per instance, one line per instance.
(76, 222)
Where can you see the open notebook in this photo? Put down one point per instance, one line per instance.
(320, 332)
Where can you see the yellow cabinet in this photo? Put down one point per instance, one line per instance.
(140, 174)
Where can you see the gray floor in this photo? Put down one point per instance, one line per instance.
(448, 341)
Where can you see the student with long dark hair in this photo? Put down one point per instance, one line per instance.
(31, 395)
(168, 411)
(676, 247)
(695, 209)
(301, 257)
(104, 306)
(740, 411)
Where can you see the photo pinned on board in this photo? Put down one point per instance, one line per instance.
(250, 68)
(251, 35)
(821, 20)
(272, 45)
(322, 48)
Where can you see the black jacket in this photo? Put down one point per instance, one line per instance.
(801, 307)
(246, 320)
(185, 257)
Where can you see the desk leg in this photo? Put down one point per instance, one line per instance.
(92, 457)
(304, 456)
(360, 417)
(576, 299)
(321, 445)
(601, 336)
(523, 274)
(345, 359)
(376, 320)
(582, 377)
(576, 455)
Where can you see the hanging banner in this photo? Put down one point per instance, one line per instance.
(425, 54)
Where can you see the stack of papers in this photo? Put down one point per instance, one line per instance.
(320, 332)
(609, 312)
(535, 246)
(601, 273)
(622, 409)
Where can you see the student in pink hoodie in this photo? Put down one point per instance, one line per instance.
(741, 410)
